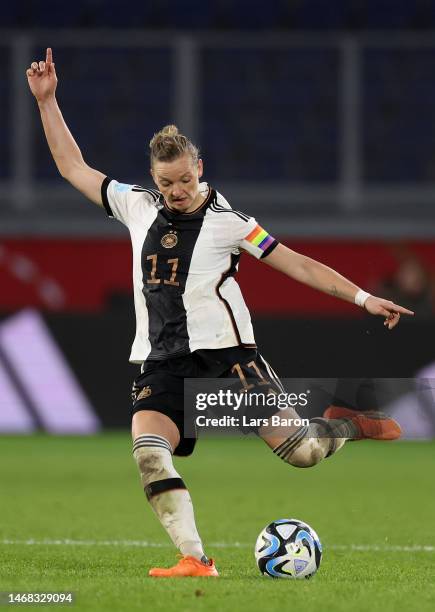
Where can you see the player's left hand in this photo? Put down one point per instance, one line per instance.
(387, 309)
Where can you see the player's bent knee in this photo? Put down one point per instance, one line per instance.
(307, 454)
(303, 449)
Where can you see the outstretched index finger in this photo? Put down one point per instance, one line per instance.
(401, 309)
(49, 56)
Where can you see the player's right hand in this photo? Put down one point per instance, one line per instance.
(42, 79)
(387, 309)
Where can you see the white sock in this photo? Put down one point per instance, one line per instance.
(167, 493)
(175, 512)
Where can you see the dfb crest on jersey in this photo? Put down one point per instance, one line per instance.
(169, 240)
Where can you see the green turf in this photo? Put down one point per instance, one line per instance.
(370, 494)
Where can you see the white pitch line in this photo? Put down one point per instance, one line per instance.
(146, 544)
(382, 548)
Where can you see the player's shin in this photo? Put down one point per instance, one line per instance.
(167, 493)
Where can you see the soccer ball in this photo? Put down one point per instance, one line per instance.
(288, 548)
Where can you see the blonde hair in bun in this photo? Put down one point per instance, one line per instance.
(168, 144)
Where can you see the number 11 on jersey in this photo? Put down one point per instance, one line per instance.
(153, 280)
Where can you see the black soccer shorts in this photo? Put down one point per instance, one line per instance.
(160, 386)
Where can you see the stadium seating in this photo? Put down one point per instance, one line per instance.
(223, 14)
(273, 113)
(398, 114)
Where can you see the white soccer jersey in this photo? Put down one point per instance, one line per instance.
(185, 294)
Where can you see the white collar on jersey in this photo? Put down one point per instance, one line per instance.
(203, 188)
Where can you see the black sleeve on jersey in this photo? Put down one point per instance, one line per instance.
(270, 248)
(105, 199)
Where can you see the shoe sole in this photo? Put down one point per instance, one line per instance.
(183, 575)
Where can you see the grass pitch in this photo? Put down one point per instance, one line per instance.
(74, 518)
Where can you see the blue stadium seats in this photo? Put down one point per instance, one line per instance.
(222, 14)
(270, 114)
(113, 100)
(399, 114)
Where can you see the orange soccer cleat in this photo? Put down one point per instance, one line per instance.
(186, 566)
(372, 425)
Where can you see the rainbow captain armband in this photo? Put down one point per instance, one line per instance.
(259, 243)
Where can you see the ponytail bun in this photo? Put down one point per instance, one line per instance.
(169, 144)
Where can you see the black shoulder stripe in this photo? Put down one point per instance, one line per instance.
(230, 210)
(220, 207)
(243, 215)
(104, 197)
(234, 213)
(153, 193)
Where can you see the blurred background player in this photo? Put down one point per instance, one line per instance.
(411, 282)
(186, 243)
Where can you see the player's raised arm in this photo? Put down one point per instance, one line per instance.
(42, 80)
(317, 275)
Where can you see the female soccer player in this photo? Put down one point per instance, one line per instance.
(191, 318)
